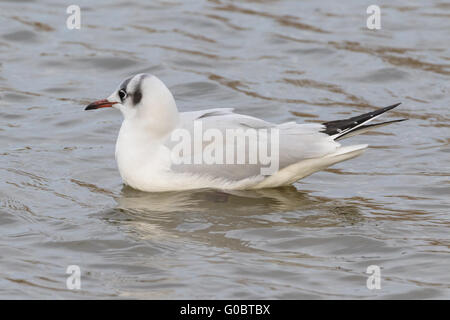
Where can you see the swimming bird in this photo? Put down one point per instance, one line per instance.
(152, 129)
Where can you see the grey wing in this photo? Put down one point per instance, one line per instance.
(264, 144)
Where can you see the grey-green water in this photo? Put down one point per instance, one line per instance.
(62, 201)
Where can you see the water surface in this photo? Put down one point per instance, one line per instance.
(62, 201)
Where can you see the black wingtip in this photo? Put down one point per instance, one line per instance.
(367, 127)
(382, 110)
(382, 123)
(337, 126)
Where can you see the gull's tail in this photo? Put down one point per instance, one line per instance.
(340, 129)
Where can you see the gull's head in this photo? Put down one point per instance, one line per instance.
(142, 98)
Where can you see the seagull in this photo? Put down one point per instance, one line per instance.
(144, 147)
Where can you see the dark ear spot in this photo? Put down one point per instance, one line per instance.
(137, 96)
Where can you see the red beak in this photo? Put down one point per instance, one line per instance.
(100, 104)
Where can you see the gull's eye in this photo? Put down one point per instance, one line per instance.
(122, 94)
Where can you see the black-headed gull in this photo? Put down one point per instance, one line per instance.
(161, 149)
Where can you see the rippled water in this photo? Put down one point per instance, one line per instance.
(62, 201)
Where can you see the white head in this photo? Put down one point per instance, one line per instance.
(144, 100)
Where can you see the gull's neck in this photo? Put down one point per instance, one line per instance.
(140, 143)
